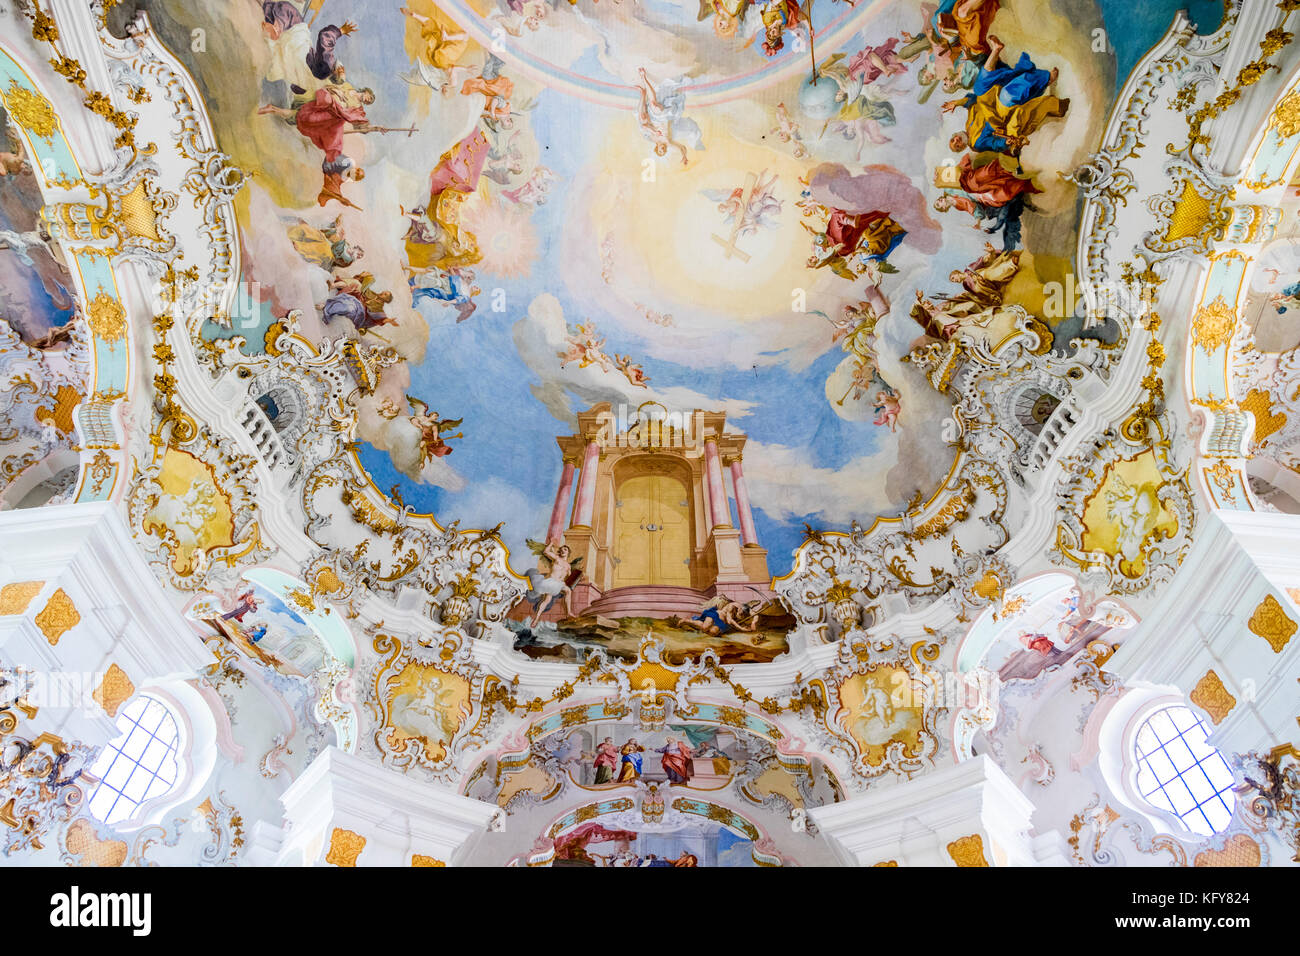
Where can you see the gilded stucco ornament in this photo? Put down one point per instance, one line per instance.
(1214, 324)
(367, 549)
(30, 110)
(425, 696)
(1266, 383)
(943, 544)
(1285, 119)
(1270, 791)
(345, 846)
(38, 392)
(1272, 623)
(1190, 214)
(1211, 696)
(1126, 513)
(59, 616)
(41, 779)
(106, 317)
(195, 513)
(884, 704)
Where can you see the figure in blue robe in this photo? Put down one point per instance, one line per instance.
(1006, 105)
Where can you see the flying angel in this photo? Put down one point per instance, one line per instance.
(433, 430)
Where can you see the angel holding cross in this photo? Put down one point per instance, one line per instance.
(750, 206)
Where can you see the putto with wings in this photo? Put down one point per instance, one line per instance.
(433, 430)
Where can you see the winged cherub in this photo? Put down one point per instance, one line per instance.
(433, 430)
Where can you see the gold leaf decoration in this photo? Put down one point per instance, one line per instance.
(1272, 623)
(1191, 214)
(15, 597)
(31, 111)
(82, 841)
(114, 690)
(345, 847)
(418, 860)
(58, 617)
(1239, 850)
(302, 599)
(968, 851)
(1213, 325)
(106, 317)
(1212, 697)
(1286, 116)
(1260, 404)
(653, 674)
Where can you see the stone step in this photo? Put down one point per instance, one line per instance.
(657, 601)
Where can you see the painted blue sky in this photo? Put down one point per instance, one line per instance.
(778, 364)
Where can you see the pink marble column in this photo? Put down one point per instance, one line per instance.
(708, 499)
(586, 505)
(717, 491)
(747, 534)
(561, 507)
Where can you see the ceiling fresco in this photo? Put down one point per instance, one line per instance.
(662, 227)
(37, 298)
(544, 208)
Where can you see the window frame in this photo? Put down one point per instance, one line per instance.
(140, 814)
(1229, 802)
(1120, 763)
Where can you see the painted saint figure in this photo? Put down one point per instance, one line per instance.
(326, 246)
(676, 761)
(1006, 105)
(779, 16)
(990, 192)
(983, 284)
(356, 300)
(868, 236)
(453, 286)
(964, 24)
(629, 768)
(605, 762)
(721, 615)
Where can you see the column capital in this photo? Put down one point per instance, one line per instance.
(350, 811)
(573, 459)
(968, 814)
(77, 596)
(730, 460)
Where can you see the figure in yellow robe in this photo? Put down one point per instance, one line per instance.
(1006, 105)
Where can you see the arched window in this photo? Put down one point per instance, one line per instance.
(1180, 773)
(141, 763)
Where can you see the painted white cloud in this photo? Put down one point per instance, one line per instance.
(540, 335)
(489, 501)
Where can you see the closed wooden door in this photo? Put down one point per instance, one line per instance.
(652, 532)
